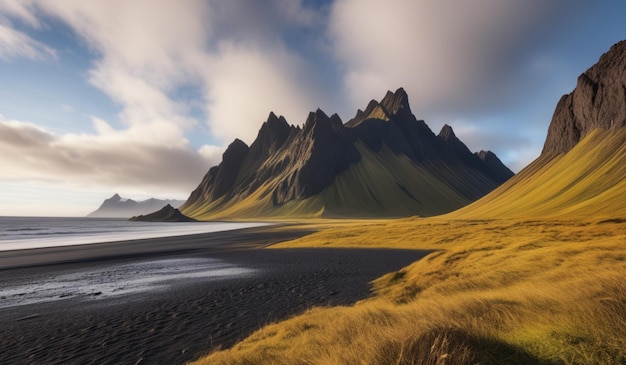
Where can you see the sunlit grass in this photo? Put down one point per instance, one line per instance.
(526, 291)
(589, 181)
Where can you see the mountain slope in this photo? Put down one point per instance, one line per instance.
(118, 207)
(580, 172)
(383, 162)
(588, 181)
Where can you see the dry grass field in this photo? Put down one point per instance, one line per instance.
(494, 291)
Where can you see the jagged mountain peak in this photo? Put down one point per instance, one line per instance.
(274, 121)
(320, 119)
(484, 155)
(235, 145)
(273, 133)
(274, 125)
(598, 101)
(118, 207)
(393, 105)
(396, 102)
(447, 133)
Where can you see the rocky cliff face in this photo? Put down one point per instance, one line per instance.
(316, 155)
(287, 164)
(598, 101)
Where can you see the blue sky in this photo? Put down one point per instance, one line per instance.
(141, 97)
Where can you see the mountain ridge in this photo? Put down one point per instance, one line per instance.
(299, 171)
(118, 207)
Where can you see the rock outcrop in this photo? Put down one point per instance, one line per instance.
(598, 101)
(328, 168)
(167, 214)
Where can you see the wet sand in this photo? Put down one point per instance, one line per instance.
(161, 301)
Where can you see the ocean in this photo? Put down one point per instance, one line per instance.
(34, 232)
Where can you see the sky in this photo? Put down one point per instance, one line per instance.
(141, 97)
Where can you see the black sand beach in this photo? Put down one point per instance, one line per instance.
(173, 320)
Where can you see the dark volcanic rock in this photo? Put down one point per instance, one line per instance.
(598, 101)
(166, 214)
(272, 135)
(453, 148)
(322, 150)
(221, 178)
(498, 170)
(391, 123)
(396, 104)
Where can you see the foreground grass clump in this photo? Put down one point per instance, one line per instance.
(492, 292)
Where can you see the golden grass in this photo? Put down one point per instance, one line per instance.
(535, 272)
(588, 181)
(526, 291)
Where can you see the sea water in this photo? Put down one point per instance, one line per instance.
(108, 280)
(34, 232)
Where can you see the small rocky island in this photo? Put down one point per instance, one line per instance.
(167, 214)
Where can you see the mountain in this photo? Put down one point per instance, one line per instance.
(598, 101)
(167, 214)
(581, 171)
(383, 162)
(118, 207)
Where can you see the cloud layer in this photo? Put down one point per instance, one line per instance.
(448, 54)
(108, 158)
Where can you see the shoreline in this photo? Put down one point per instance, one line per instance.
(129, 231)
(254, 237)
(188, 317)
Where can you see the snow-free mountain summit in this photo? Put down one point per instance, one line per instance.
(383, 162)
(118, 207)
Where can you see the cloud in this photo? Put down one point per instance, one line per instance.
(245, 84)
(143, 53)
(447, 54)
(16, 44)
(108, 158)
(21, 10)
(232, 52)
(253, 67)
